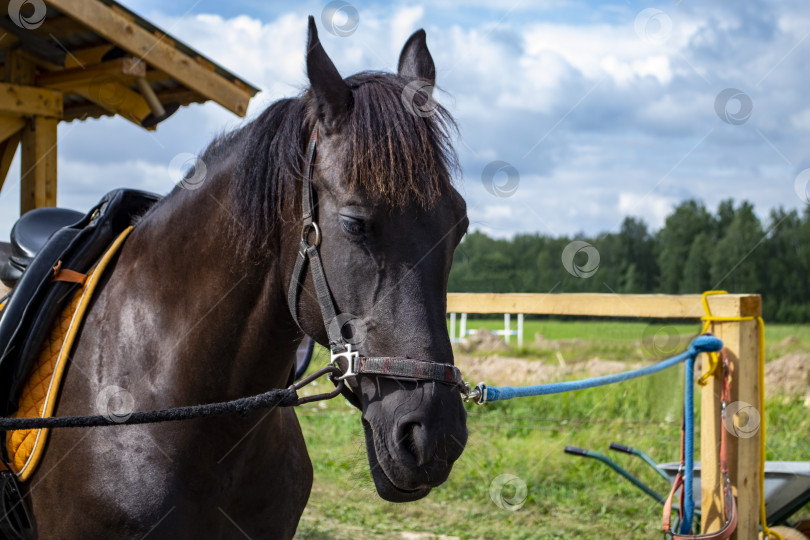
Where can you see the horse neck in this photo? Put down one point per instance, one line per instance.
(229, 314)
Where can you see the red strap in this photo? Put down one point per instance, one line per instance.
(668, 504)
(71, 276)
(724, 533)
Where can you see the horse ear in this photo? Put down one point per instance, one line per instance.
(333, 95)
(415, 61)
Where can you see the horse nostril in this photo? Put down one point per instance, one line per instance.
(413, 439)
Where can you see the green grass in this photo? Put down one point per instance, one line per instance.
(568, 497)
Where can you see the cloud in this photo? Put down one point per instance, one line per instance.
(599, 119)
(653, 208)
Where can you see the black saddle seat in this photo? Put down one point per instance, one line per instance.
(29, 234)
(34, 228)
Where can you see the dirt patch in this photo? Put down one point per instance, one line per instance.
(596, 367)
(788, 375)
(540, 342)
(482, 340)
(503, 370)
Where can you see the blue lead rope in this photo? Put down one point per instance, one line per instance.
(689, 442)
(702, 344)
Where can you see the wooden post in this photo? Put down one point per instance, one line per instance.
(452, 328)
(38, 157)
(8, 148)
(741, 341)
(507, 328)
(38, 164)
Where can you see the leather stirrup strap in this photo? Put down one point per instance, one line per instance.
(71, 276)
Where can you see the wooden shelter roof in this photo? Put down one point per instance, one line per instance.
(94, 51)
(65, 60)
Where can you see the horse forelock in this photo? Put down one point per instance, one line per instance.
(392, 155)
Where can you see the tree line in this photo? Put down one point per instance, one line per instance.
(695, 250)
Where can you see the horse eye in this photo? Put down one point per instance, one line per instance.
(352, 225)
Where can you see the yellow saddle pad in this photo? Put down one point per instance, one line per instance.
(38, 397)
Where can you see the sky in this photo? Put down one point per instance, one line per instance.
(572, 114)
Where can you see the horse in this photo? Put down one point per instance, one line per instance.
(195, 309)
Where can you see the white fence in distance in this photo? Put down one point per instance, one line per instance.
(507, 331)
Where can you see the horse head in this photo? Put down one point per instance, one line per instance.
(389, 221)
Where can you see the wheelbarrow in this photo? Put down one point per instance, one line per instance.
(787, 483)
(787, 487)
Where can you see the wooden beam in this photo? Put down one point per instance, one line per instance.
(158, 75)
(7, 150)
(117, 98)
(86, 109)
(38, 164)
(127, 34)
(10, 125)
(85, 57)
(17, 99)
(659, 306)
(18, 68)
(66, 80)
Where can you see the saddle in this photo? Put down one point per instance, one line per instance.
(29, 234)
(41, 241)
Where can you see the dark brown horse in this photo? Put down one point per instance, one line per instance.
(195, 310)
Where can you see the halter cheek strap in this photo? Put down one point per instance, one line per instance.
(350, 361)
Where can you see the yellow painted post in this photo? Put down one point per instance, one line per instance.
(741, 341)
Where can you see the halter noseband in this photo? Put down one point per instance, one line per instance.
(350, 362)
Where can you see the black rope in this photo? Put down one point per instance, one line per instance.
(280, 397)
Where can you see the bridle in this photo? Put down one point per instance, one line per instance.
(350, 362)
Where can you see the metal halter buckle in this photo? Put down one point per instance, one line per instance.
(307, 227)
(352, 358)
(475, 393)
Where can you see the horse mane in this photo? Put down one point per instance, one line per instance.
(393, 157)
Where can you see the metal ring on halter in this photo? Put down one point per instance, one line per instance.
(305, 233)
